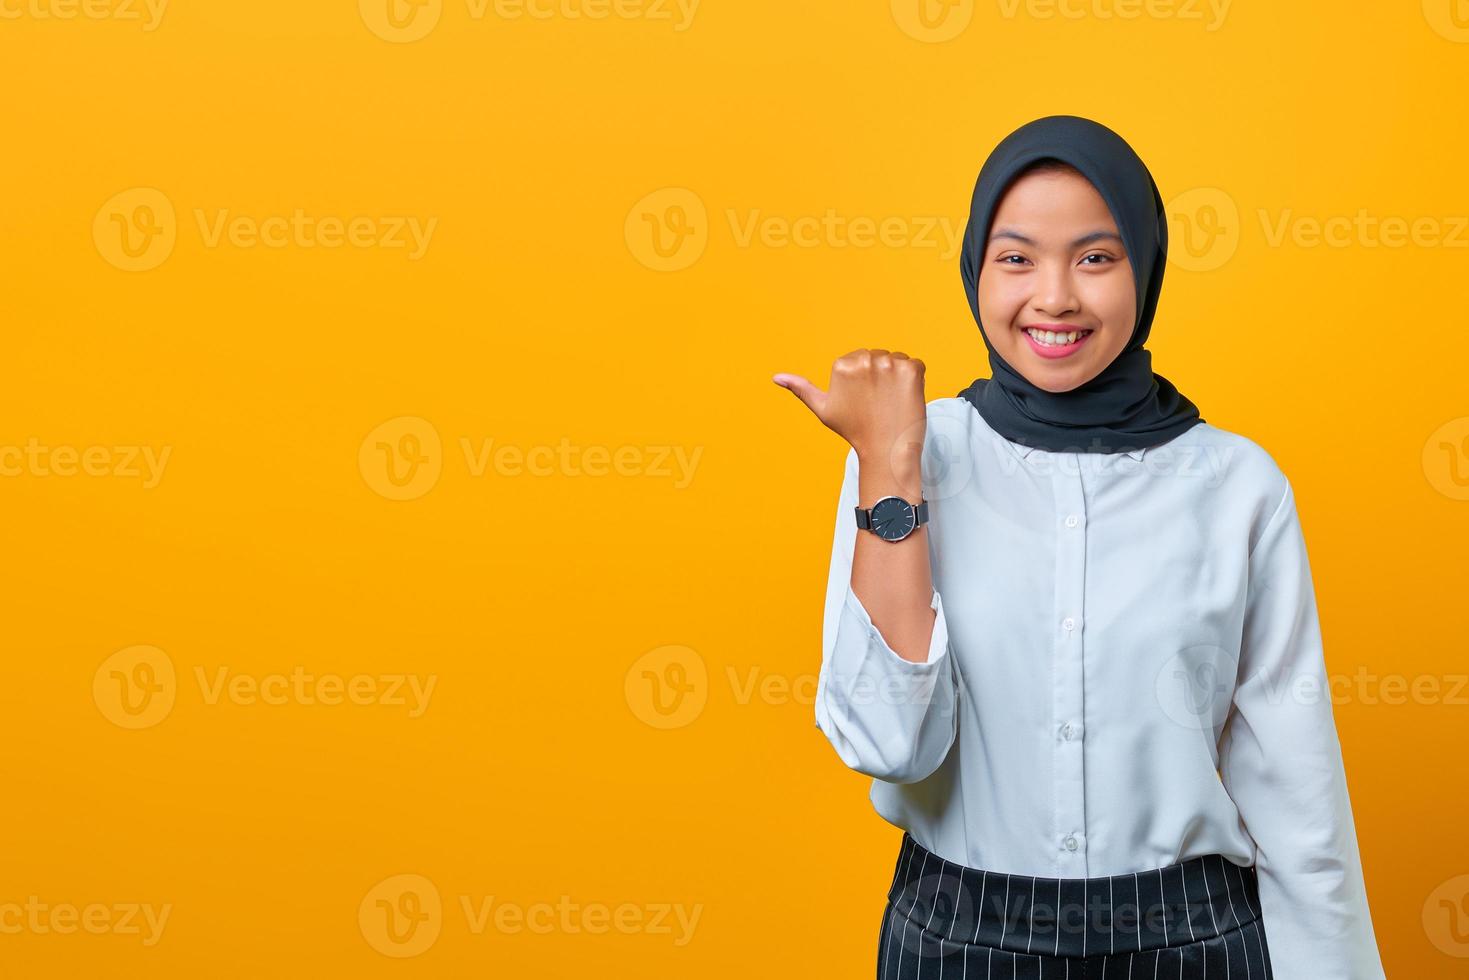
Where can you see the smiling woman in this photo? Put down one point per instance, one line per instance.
(1080, 636)
(1067, 232)
(1059, 293)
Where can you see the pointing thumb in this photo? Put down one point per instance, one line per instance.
(811, 396)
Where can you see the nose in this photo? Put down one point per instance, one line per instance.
(1054, 291)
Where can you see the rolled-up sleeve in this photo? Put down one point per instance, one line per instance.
(1281, 762)
(890, 718)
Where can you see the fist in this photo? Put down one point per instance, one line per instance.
(875, 402)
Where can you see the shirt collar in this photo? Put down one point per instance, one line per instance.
(1024, 451)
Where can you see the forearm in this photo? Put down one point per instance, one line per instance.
(890, 716)
(892, 579)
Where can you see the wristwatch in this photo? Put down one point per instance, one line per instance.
(893, 518)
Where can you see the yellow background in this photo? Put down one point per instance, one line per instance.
(536, 317)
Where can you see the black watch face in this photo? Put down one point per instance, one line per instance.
(892, 518)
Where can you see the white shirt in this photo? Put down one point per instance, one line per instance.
(1126, 672)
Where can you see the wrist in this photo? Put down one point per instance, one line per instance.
(885, 477)
(903, 466)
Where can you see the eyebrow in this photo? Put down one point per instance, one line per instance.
(1083, 240)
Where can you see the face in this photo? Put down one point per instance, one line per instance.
(1055, 262)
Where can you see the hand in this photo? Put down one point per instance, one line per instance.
(875, 403)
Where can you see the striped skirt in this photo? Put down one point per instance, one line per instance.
(1193, 920)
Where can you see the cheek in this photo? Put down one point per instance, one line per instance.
(998, 301)
(1116, 308)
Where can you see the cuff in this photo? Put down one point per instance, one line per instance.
(938, 645)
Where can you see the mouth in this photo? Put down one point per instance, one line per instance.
(1058, 341)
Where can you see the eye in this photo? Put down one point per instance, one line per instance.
(1098, 255)
(1002, 259)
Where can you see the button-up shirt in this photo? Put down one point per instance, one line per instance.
(1126, 671)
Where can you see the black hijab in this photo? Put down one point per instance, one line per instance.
(1126, 406)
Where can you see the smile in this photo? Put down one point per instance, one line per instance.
(1048, 343)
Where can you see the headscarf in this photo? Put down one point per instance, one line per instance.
(1127, 406)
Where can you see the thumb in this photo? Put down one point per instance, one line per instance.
(811, 396)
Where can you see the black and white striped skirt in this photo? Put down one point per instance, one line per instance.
(1196, 920)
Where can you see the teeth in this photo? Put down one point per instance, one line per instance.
(1052, 339)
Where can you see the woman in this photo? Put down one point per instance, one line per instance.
(1110, 743)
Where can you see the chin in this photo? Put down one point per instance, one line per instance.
(1057, 381)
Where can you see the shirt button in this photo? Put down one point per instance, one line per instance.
(1070, 843)
(1069, 623)
(1071, 520)
(1067, 731)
